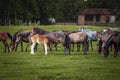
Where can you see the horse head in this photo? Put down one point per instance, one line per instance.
(12, 43)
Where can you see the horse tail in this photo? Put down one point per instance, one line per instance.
(67, 40)
(9, 35)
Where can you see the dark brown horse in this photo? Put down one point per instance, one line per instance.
(107, 39)
(3, 37)
(57, 37)
(114, 39)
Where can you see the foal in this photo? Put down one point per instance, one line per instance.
(40, 39)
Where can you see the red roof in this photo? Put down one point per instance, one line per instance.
(98, 11)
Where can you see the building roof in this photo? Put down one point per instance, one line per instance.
(94, 11)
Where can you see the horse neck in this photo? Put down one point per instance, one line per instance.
(9, 35)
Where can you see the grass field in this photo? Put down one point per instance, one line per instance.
(57, 66)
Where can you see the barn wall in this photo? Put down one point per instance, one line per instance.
(81, 20)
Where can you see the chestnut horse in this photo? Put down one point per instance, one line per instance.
(40, 39)
(3, 37)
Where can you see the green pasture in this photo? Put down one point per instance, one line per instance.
(56, 65)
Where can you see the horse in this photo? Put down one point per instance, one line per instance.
(113, 39)
(52, 20)
(19, 37)
(78, 38)
(3, 37)
(103, 38)
(39, 39)
(57, 37)
(91, 35)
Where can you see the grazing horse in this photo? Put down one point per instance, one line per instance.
(103, 39)
(19, 37)
(113, 39)
(3, 37)
(78, 38)
(91, 35)
(40, 39)
(60, 37)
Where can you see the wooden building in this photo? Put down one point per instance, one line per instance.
(96, 16)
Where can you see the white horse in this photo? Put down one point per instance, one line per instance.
(91, 35)
(52, 20)
(40, 39)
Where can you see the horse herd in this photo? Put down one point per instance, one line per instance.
(107, 38)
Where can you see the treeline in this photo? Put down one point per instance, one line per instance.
(25, 11)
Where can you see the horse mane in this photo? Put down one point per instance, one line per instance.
(9, 35)
(39, 31)
(14, 36)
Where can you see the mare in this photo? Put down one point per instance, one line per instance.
(103, 39)
(79, 38)
(113, 39)
(91, 35)
(40, 39)
(60, 37)
(3, 37)
(19, 37)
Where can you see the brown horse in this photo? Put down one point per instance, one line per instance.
(40, 39)
(57, 37)
(19, 37)
(3, 37)
(107, 39)
(79, 38)
(114, 40)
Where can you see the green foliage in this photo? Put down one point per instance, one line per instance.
(57, 66)
(33, 10)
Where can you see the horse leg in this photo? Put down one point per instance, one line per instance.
(115, 50)
(69, 48)
(32, 48)
(72, 47)
(91, 45)
(84, 45)
(78, 46)
(4, 45)
(8, 47)
(27, 47)
(49, 47)
(21, 46)
(16, 46)
(36, 47)
(45, 48)
(55, 46)
(65, 50)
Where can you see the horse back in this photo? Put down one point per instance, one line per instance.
(3, 36)
(39, 38)
(78, 37)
